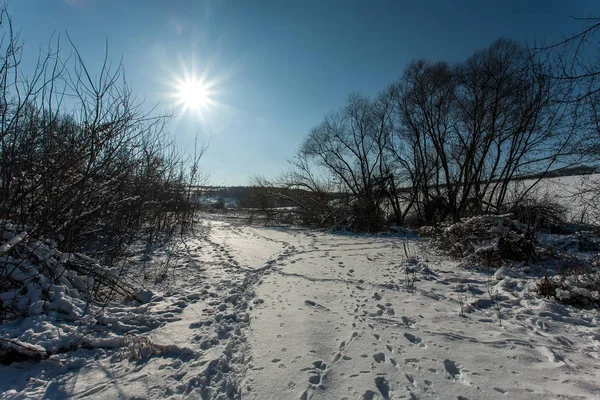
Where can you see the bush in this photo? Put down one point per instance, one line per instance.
(91, 180)
(539, 214)
(35, 278)
(489, 240)
(577, 284)
(436, 210)
(220, 204)
(366, 216)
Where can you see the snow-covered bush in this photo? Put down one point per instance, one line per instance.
(77, 187)
(583, 241)
(580, 288)
(36, 278)
(575, 278)
(53, 301)
(488, 240)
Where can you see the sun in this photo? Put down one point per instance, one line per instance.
(193, 94)
(195, 89)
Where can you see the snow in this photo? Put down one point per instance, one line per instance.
(572, 192)
(144, 296)
(503, 272)
(285, 313)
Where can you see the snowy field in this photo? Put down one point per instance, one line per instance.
(283, 313)
(571, 192)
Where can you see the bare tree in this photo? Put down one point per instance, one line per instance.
(474, 127)
(426, 98)
(509, 123)
(350, 145)
(444, 142)
(575, 65)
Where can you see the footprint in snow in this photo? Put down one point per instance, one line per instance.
(370, 395)
(383, 386)
(314, 304)
(551, 354)
(452, 368)
(412, 338)
(314, 379)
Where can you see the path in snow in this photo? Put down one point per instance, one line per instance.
(333, 318)
(187, 342)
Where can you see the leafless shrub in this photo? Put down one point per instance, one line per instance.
(461, 302)
(88, 178)
(100, 174)
(539, 213)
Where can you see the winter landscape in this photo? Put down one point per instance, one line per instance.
(435, 237)
(283, 312)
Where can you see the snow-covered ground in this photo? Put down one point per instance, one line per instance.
(284, 313)
(575, 193)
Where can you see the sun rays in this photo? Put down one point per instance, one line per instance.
(193, 90)
(193, 95)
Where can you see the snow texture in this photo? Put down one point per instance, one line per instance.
(283, 313)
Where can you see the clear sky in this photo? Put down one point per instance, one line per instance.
(275, 68)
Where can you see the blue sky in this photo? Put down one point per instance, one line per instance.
(277, 67)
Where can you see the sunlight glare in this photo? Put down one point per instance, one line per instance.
(195, 91)
(193, 94)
